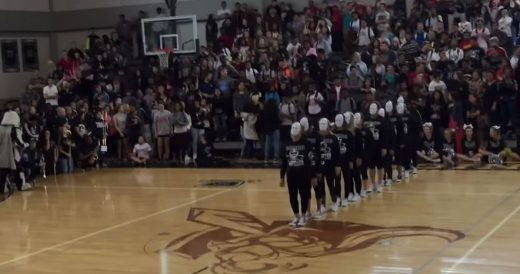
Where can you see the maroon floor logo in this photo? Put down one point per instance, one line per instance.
(241, 243)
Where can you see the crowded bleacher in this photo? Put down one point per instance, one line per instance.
(453, 62)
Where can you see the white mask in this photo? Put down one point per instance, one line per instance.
(381, 112)
(357, 119)
(400, 100)
(372, 110)
(304, 122)
(389, 107)
(296, 129)
(324, 124)
(348, 117)
(339, 121)
(400, 108)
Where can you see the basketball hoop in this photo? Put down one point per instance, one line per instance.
(164, 57)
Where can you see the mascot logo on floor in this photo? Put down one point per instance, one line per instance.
(241, 243)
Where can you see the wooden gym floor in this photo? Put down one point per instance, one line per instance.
(168, 221)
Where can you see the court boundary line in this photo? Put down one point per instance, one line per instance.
(110, 228)
(482, 240)
(469, 229)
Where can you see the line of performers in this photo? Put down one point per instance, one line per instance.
(357, 155)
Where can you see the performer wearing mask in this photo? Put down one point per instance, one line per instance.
(390, 122)
(329, 165)
(360, 144)
(10, 144)
(374, 134)
(429, 149)
(346, 155)
(470, 147)
(403, 149)
(313, 137)
(297, 166)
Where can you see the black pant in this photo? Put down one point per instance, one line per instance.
(4, 172)
(299, 183)
(387, 163)
(347, 180)
(355, 180)
(329, 175)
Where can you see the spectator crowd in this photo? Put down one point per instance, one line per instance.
(454, 62)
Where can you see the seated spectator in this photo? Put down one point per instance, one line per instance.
(141, 152)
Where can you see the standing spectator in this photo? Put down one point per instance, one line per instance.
(197, 115)
(249, 118)
(134, 125)
(287, 115)
(220, 118)
(162, 125)
(66, 146)
(271, 128)
(314, 102)
(119, 121)
(50, 93)
(181, 135)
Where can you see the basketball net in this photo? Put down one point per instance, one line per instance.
(164, 57)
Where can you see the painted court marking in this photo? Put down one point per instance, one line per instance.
(43, 250)
(482, 240)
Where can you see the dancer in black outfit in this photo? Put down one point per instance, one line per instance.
(313, 138)
(374, 134)
(346, 155)
(329, 165)
(296, 164)
(393, 158)
(360, 152)
(430, 149)
(404, 148)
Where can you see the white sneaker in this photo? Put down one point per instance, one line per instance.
(406, 175)
(294, 222)
(302, 222)
(350, 197)
(378, 189)
(414, 170)
(388, 182)
(363, 193)
(26, 187)
(344, 203)
(335, 206)
(187, 160)
(356, 198)
(308, 214)
(323, 210)
(319, 215)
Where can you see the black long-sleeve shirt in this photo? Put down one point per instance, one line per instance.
(346, 146)
(329, 152)
(359, 143)
(296, 159)
(314, 139)
(374, 132)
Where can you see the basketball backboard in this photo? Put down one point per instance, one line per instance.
(176, 32)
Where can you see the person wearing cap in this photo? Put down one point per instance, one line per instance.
(470, 146)
(430, 147)
(298, 170)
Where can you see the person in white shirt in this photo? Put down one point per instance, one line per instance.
(437, 83)
(432, 21)
(223, 12)
(293, 46)
(504, 23)
(481, 33)
(141, 152)
(50, 93)
(455, 53)
(365, 34)
(359, 64)
(324, 42)
(314, 100)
